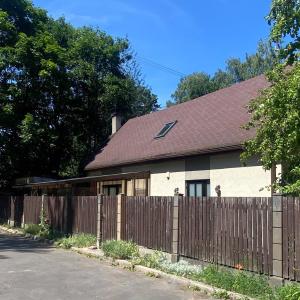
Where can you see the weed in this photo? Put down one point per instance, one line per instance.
(153, 275)
(80, 240)
(194, 288)
(221, 295)
(33, 229)
(120, 249)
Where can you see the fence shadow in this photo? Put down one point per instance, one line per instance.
(21, 244)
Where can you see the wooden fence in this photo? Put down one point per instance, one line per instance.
(291, 238)
(148, 221)
(109, 217)
(235, 232)
(84, 209)
(4, 208)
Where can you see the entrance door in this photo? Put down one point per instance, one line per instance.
(112, 190)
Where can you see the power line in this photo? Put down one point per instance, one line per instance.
(161, 67)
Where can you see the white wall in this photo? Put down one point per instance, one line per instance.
(237, 180)
(165, 177)
(222, 169)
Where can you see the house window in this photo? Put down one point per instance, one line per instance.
(167, 127)
(112, 190)
(198, 188)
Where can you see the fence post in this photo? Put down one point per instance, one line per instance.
(119, 216)
(277, 238)
(175, 229)
(99, 219)
(11, 221)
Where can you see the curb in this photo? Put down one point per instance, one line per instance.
(208, 289)
(27, 235)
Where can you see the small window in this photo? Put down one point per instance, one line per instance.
(167, 127)
(198, 188)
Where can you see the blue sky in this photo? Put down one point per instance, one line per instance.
(187, 36)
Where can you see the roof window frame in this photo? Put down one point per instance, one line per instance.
(164, 131)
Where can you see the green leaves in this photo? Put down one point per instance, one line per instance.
(58, 88)
(284, 17)
(276, 118)
(199, 84)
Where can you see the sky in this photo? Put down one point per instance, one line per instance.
(173, 38)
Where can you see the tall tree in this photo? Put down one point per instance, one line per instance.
(284, 18)
(276, 113)
(58, 88)
(199, 84)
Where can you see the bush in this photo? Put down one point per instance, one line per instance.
(80, 240)
(120, 249)
(33, 229)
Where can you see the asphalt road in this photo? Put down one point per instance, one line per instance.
(31, 270)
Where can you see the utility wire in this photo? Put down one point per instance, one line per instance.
(161, 67)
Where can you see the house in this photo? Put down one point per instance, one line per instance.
(193, 147)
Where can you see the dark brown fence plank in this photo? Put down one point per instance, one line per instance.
(229, 231)
(148, 221)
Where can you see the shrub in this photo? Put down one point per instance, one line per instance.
(80, 240)
(33, 229)
(120, 249)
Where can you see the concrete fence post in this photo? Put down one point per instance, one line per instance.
(120, 200)
(99, 220)
(277, 237)
(175, 229)
(11, 221)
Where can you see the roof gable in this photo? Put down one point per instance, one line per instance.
(204, 124)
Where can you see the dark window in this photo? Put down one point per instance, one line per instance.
(198, 188)
(112, 190)
(165, 129)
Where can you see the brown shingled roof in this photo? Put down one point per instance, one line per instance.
(206, 124)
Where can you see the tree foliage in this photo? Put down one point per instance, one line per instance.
(58, 88)
(199, 84)
(276, 118)
(276, 113)
(284, 17)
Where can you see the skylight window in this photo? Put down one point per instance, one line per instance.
(167, 127)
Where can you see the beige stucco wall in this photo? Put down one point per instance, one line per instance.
(237, 180)
(164, 176)
(223, 169)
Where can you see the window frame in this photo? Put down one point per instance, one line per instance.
(204, 182)
(163, 132)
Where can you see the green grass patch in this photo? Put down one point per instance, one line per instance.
(120, 249)
(33, 229)
(80, 240)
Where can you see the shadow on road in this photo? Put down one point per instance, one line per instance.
(20, 244)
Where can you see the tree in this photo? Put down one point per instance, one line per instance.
(58, 88)
(192, 86)
(276, 118)
(284, 17)
(199, 84)
(276, 113)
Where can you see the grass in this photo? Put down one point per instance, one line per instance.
(80, 240)
(33, 229)
(230, 280)
(120, 249)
